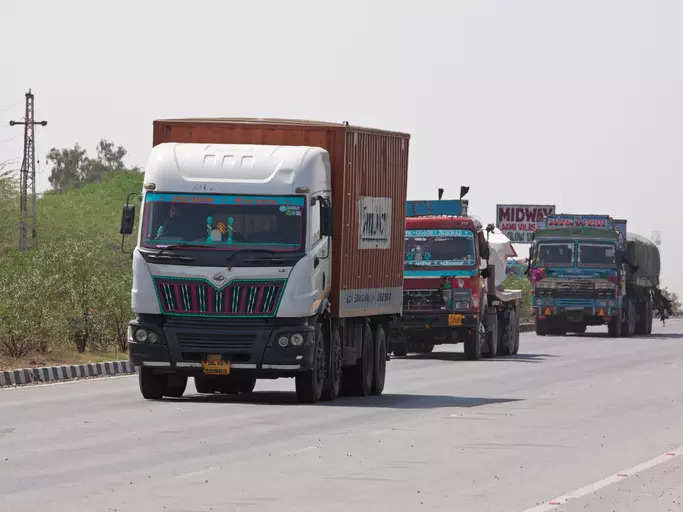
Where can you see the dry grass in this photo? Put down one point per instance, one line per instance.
(57, 358)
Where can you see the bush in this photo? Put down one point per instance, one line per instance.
(515, 282)
(73, 289)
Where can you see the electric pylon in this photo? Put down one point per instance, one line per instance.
(27, 179)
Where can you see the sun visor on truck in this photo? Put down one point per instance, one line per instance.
(455, 207)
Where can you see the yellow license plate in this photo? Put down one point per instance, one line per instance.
(214, 365)
(455, 320)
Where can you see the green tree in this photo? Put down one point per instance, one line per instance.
(72, 166)
(67, 166)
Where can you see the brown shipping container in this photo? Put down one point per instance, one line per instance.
(369, 177)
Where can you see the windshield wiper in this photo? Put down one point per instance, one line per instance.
(242, 251)
(177, 246)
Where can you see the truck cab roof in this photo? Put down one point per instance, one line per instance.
(237, 168)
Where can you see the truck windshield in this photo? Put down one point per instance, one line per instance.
(439, 248)
(596, 254)
(226, 222)
(556, 254)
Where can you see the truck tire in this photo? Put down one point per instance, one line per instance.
(641, 317)
(309, 384)
(491, 335)
(152, 386)
(334, 371)
(175, 385)
(380, 367)
(614, 327)
(628, 328)
(473, 341)
(357, 379)
(514, 323)
(510, 333)
(400, 349)
(541, 327)
(648, 327)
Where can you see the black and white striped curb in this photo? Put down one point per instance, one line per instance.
(63, 373)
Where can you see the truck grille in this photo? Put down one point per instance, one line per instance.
(207, 342)
(237, 299)
(574, 289)
(415, 301)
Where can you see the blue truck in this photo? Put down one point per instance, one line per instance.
(588, 270)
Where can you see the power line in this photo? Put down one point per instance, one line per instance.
(27, 178)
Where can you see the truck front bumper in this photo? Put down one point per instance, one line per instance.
(591, 311)
(250, 346)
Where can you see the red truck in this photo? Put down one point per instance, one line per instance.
(452, 293)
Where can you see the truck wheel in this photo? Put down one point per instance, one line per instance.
(628, 329)
(541, 328)
(309, 384)
(380, 369)
(641, 312)
(514, 325)
(491, 334)
(205, 384)
(648, 322)
(357, 379)
(152, 386)
(400, 348)
(334, 372)
(614, 327)
(175, 385)
(509, 332)
(473, 341)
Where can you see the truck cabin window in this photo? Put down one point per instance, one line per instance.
(439, 248)
(597, 254)
(227, 222)
(556, 254)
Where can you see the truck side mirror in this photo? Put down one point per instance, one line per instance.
(326, 218)
(127, 219)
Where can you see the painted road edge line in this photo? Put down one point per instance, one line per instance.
(612, 479)
(51, 374)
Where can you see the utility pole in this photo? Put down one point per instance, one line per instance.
(27, 179)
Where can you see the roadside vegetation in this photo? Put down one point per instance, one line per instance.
(70, 294)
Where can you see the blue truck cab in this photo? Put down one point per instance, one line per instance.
(577, 272)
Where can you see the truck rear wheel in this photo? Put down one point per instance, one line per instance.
(357, 379)
(509, 338)
(175, 385)
(628, 328)
(309, 384)
(541, 327)
(614, 327)
(334, 371)
(152, 386)
(491, 334)
(648, 328)
(380, 369)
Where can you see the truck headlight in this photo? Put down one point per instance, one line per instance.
(141, 335)
(152, 337)
(297, 340)
(283, 341)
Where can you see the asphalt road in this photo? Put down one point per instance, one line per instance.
(449, 434)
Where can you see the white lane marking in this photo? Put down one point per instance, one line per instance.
(617, 477)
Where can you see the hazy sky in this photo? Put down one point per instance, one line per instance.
(576, 103)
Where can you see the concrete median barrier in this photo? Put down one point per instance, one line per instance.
(62, 373)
